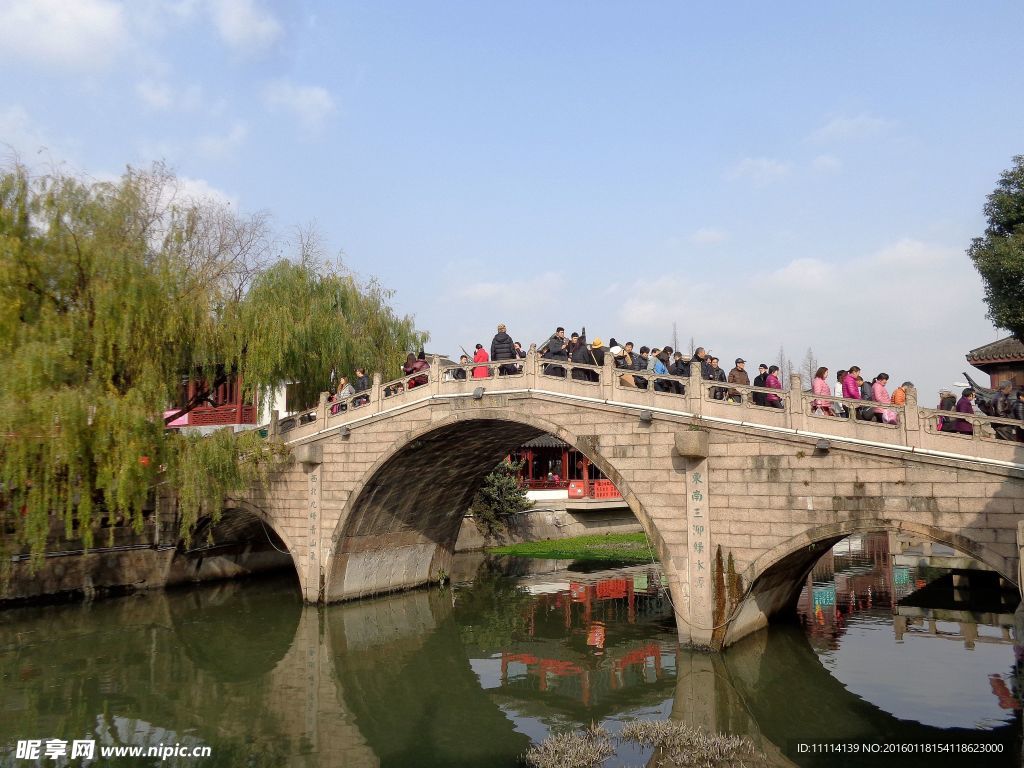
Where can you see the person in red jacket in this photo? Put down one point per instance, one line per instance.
(480, 356)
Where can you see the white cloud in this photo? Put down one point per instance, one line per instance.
(181, 9)
(155, 95)
(533, 292)
(200, 190)
(63, 34)
(760, 171)
(224, 144)
(827, 164)
(311, 104)
(709, 236)
(802, 274)
(850, 127)
(24, 141)
(910, 308)
(244, 26)
(18, 132)
(184, 190)
(161, 97)
(908, 252)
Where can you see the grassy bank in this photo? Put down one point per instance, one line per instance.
(611, 547)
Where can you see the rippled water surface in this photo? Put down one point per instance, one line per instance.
(471, 675)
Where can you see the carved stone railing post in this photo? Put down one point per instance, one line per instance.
(694, 389)
(532, 369)
(376, 394)
(608, 377)
(274, 424)
(911, 420)
(435, 375)
(795, 403)
(322, 408)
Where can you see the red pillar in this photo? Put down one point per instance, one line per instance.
(239, 403)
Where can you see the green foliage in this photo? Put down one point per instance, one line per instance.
(493, 612)
(606, 548)
(999, 254)
(500, 497)
(302, 322)
(114, 293)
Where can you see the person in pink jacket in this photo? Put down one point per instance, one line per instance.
(772, 380)
(880, 394)
(819, 386)
(480, 356)
(850, 388)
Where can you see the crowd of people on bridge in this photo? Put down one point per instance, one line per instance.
(644, 367)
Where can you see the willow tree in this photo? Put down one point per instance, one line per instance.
(114, 293)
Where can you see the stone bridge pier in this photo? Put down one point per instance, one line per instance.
(737, 511)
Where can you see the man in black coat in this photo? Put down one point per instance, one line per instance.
(640, 364)
(762, 375)
(361, 384)
(679, 367)
(555, 349)
(503, 348)
(717, 374)
(580, 354)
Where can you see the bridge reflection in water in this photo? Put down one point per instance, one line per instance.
(461, 677)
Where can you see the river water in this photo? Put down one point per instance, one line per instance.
(470, 675)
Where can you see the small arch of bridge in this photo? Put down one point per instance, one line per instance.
(776, 577)
(242, 540)
(399, 525)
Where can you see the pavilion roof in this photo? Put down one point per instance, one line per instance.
(1010, 349)
(545, 441)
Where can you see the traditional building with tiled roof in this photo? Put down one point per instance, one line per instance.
(1002, 360)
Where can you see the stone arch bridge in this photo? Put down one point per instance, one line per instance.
(738, 499)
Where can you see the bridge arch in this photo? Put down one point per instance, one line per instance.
(399, 525)
(246, 540)
(777, 576)
(258, 512)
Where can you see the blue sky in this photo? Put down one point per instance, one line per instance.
(759, 174)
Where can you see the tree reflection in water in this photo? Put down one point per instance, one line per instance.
(467, 676)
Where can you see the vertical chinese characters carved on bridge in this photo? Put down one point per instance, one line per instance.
(313, 496)
(698, 535)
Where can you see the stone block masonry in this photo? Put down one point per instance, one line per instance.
(378, 507)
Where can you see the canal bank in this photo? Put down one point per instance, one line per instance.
(123, 560)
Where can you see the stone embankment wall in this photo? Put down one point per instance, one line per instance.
(123, 561)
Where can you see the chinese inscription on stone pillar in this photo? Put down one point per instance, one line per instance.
(698, 535)
(314, 528)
